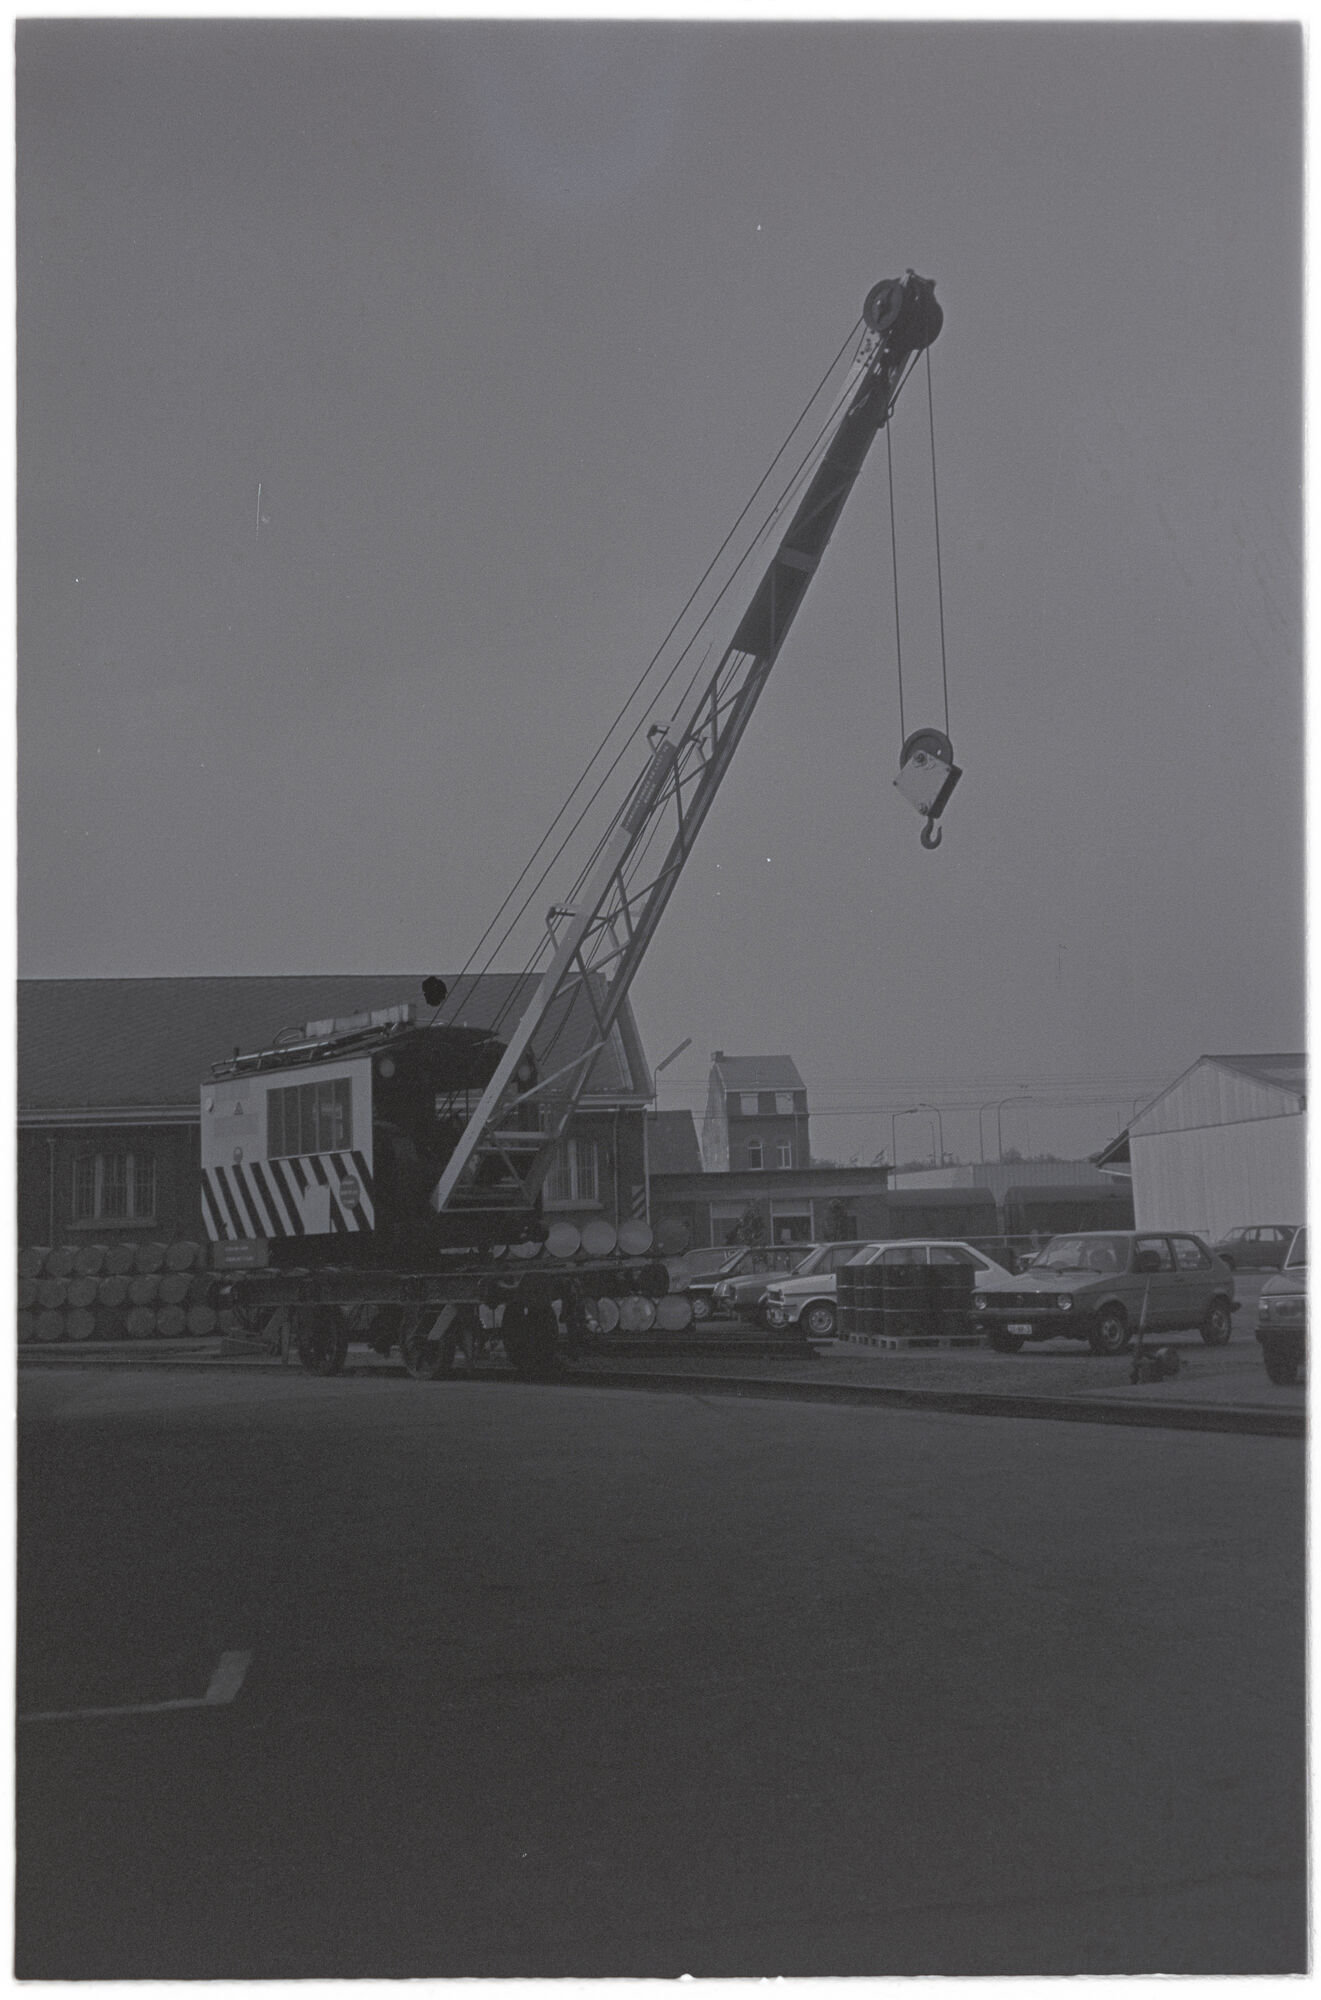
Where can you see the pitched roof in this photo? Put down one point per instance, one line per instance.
(1285, 1072)
(757, 1072)
(672, 1146)
(135, 1042)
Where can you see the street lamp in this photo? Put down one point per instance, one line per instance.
(939, 1128)
(999, 1131)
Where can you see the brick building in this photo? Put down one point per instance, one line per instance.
(756, 1118)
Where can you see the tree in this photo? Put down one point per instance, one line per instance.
(751, 1228)
(839, 1222)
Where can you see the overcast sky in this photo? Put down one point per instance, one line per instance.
(503, 322)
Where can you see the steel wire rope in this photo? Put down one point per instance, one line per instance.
(531, 862)
(628, 740)
(935, 509)
(789, 487)
(894, 573)
(635, 859)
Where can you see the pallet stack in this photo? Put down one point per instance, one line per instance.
(118, 1291)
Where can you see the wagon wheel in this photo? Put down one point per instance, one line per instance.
(322, 1340)
(427, 1355)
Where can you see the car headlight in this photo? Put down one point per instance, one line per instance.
(1065, 1302)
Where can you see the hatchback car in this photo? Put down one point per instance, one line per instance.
(742, 1278)
(1282, 1316)
(807, 1299)
(1104, 1286)
(1259, 1246)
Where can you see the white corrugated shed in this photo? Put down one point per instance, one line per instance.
(1225, 1144)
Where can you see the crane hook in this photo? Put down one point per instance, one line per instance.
(931, 833)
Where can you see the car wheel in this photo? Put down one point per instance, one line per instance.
(701, 1306)
(1282, 1368)
(818, 1320)
(1110, 1333)
(1005, 1343)
(1217, 1326)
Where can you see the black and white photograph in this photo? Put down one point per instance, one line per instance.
(660, 1210)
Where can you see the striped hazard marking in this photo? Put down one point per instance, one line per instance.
(286, 1198)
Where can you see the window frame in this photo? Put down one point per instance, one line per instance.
(139, 1168)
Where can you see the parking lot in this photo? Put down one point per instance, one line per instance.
(571, 1681)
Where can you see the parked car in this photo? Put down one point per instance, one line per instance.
(1260, 1246)
(1282, 1316)
(807, 1298)
(740, 1281)
(691, 1264)
(1101, 1286)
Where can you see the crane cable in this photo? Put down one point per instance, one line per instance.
(894, 559)
(794, 477)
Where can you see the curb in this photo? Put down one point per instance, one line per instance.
(1237, 1419)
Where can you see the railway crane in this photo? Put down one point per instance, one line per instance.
(379, 1177)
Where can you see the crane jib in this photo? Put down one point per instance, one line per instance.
(600, 942)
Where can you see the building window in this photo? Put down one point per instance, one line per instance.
(754, 1154)
(747, 1105)
(309, 1118)
(114, 1187)
(784, 1154)
(784, 1103)
(575, 1175)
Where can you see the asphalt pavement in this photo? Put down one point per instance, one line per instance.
(376, 1678)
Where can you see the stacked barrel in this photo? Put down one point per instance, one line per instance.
(599, 1267)
(116, 1291)
(884, 1303)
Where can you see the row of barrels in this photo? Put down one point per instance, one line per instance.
(599, 1237)
(121, 1291)
(905, 1301)
(110, 1260)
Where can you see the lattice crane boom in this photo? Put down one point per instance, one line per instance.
(599, 942)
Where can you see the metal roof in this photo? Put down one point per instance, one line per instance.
(98, 1044)
(1285, 1072)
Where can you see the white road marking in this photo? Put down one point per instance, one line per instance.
(225, 1684)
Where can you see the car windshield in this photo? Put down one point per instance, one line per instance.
(1236, 1235)
(1083, 1253)
(1297, 1256)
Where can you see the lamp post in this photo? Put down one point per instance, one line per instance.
(940, 1128)
(999, 1130)
(655, 1099)
(937, 1129)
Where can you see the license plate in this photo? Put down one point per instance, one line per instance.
(1018, 1327)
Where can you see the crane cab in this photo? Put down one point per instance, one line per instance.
(326, 1147)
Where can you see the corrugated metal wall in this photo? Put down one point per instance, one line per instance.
(1213, 1177)
(1211, 1095)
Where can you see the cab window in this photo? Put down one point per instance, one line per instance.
(1148, 1247)
(1189, 1254)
